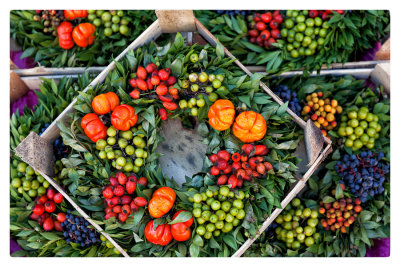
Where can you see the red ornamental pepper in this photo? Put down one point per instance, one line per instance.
(163, 114)
(123, 117)
(64, 35)
(74, 14)
(83, 34)
(181, 231)
(93, 127)
(159, 236)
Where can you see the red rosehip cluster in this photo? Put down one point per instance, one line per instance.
(45, 207)
(150, 78)
(324, 14)
(339, 214)
(119, 196)
(265, 30)
(235, 168)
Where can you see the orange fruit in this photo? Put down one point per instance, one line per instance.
(321, 102)
(328, 108)
(334, 103)
(330, 117)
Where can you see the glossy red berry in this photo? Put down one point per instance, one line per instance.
(108, 192)
(266, 17)
(151, 67)
(38, 209)
(253, 33)
(214, 171)
(140, 201)
(49, 206)
(132, 82)
(58, 198)
(141, 73)
(119, 190)
(222, 180)
(261, 26)
(61, 217)
(57, 226)
(42, 200)
(274, 24)
(143, 181)
(163, 74)
(223, 154)
(126, 199)
(213, 158)
(265, 34)
(48, 224)
(51, 193)
(122, 179)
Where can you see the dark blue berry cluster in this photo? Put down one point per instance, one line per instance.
(76, 230)
(363, 173)
(285, 94)
(234, 12)
(59, 148)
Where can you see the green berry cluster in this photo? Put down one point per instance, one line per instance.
(113, 21)
(25, 179)
(297, 226)
(218, 211)
(124, 148)
(360, 128)
(304, 35)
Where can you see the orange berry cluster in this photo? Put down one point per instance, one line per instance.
(322, 111)
(339, 214)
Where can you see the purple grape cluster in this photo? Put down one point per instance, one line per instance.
(363, 173)
(59, 148)
(76, 230)
(286, 95)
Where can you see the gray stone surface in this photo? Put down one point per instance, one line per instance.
(183, 151)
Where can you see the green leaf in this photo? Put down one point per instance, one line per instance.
(194, 250)
(220, 50)
(177, 67)
(282, 109)
(230, 241)
(202, 129)
(197, 240)
(50, 236)
(328, 199)
(184, 216)
(338, 191)
(28, 52)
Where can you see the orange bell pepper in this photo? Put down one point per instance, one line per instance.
(64, 31)
(83, 34)
(74, 14)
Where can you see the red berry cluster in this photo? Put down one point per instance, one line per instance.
(44, 208)
(265, 30)
(235, 168)
(324, 14)
(339, 214)
(150, 78)
(119, 196)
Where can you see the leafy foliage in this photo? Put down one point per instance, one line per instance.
(349, 35)
(45, 50)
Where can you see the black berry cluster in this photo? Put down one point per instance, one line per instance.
(363, 173)
(286, 95)
(76, 230)
(234, 12)
(59, 148)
